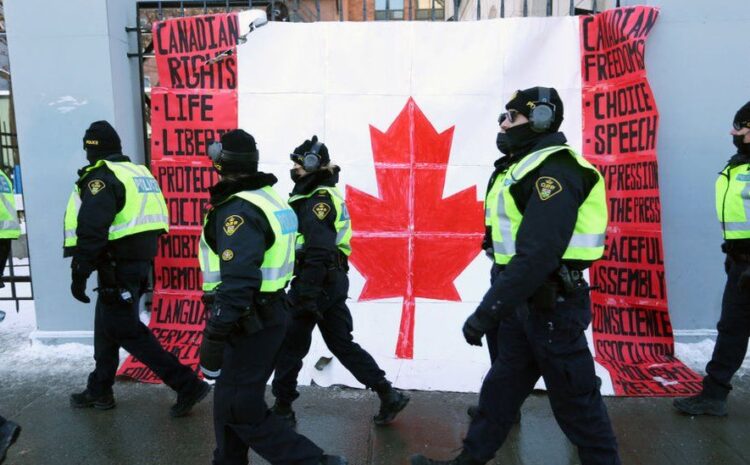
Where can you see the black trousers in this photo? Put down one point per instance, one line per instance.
(336, 329)
(242, 420)
(4, 255)
(551, 345)
(734, 331)
(491, 339)
(116, 324)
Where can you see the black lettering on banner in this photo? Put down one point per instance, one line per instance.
(630, 282)
(185, 352)
(168, 336)
(195, 72)
(187, 178)
(624, 101)
(141, 373)
(634, 209)
(619, 38)
(630, 176)
(188, 107)
(188, 141)
(628, 136)
(633, 249)
(180, 278)
(186, 211)
(196, 34)
(179, 311)
(627, 352)
(631, 321)
(176, 245)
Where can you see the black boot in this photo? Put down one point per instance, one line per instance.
(463, 459)
(9, 432)
(474, 409)
(701, 405)
(284, 411)
(85, 399)
(187, 399)
(333, 460)
(391, 403)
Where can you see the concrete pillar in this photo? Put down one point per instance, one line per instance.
(69, 68)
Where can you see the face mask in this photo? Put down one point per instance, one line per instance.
(742, 147)
(294, 175)
(520, 137)
(502, 142)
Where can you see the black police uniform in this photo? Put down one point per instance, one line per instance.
(122, 264)
(253, 324)
(734, 324)
(550, 343)
(318, 295)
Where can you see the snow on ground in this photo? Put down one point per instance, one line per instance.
(697, 354)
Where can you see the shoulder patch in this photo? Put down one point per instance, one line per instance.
(321, 210)
(547, 187)
(96, 186)
(227, 255)
(232, 224)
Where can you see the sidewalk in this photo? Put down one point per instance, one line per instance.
(34, 392)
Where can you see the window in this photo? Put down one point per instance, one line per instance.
(389, 9)
(430, 9)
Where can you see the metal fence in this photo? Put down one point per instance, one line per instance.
(17, 276)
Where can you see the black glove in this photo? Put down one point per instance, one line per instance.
(80, 272)
(744, 280)
(473, 330)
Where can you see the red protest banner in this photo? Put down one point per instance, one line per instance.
(184, 123)
(632, 331)
(194, 104)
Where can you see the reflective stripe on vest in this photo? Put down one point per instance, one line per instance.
(504, 217)
(10, 228)
(342, 224)
(145, 208)
(278, 261)
(733, 201)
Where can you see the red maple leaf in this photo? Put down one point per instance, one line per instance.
(411, 242)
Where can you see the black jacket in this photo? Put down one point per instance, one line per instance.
(546, 228)
(317, 216)
(102, 197)
(240, 234)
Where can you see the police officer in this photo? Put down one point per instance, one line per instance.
(113, 219)
(247, 257)
(734, 324)
(548, 216)
(9, 229)
(320, 287)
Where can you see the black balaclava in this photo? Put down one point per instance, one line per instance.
(742, 120)
(101, 140)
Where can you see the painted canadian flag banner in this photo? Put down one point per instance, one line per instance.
(409, 112)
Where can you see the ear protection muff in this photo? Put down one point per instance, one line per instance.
(311, 160)
(542, 116)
